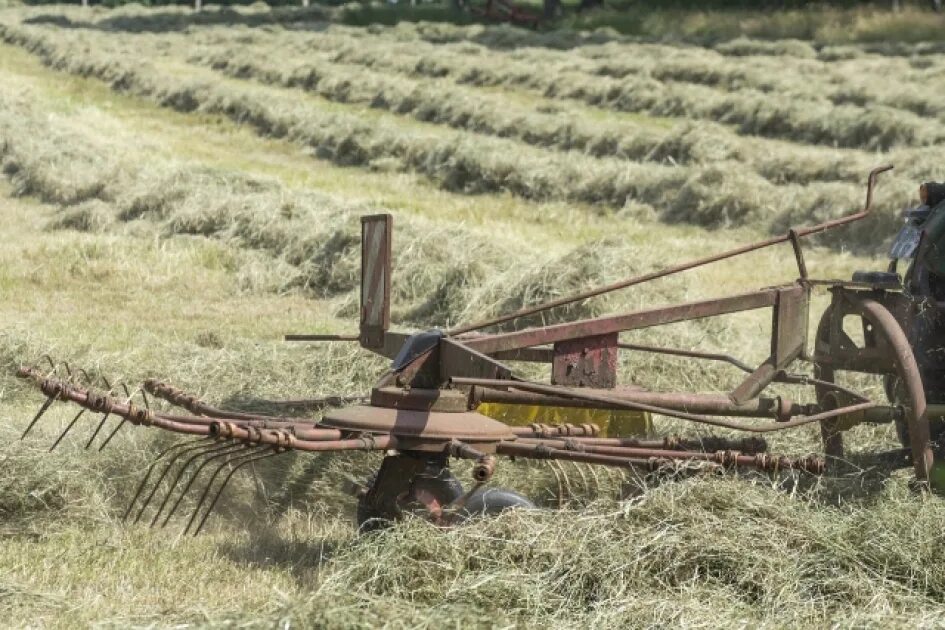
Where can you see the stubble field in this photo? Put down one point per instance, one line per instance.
(179, 191)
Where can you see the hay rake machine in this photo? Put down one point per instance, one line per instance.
(430, 406)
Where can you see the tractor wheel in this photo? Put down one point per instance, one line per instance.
(493, 501)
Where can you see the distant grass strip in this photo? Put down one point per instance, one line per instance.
(720, 194)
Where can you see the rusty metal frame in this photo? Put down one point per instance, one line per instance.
(636, 320)
(376, 268)
(424, 406)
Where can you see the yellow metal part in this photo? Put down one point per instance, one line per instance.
(616, 423)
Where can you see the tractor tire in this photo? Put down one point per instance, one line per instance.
(493, 501)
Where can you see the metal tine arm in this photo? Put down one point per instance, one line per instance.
(193, 404)
(226, 480)
(53, 367)
(188, 424)
(228, 450)
(154, 463)
(109, 391)
(201, 446)
(214, 447)
(213, 477)
(88, 381)
(129, 395)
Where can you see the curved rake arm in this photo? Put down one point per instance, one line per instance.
(699, 262)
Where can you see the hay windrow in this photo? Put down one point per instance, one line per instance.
(131, 261)
(458, 162)
(315, 235)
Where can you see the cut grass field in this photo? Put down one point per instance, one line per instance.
(174, 216)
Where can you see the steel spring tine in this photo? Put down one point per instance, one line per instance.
(104, 419)
(213, 477)
(580, 471)
(49, 399)
(86, 378)
(39, 414)
(97, 430)
(554, 471)
(87, 381)
(590, 469)
(226, 480)
(65, 364)
(123, 420)
(154, 463)
(49, 360)
(112, 434)
(201, 449)
(54, 367)
(227, 449)
(66, 430)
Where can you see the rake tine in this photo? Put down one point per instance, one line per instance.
(554, 471)
(39, 414)
(54, 367)
(123, 420)
(206, 490)
(51, 399)
(226, 480)
(66, 431)
(97, 430)
(85, 375)
(593, 472)
(112, 434)
(227, 449)
(580, 471)
(154, 463)
(104, 417)
(201, 450)
(49, 360)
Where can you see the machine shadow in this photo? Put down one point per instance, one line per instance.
(301, 558)
(859, 479)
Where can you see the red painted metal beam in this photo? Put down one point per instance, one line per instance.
(627, 321)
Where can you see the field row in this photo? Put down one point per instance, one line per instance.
(715, 194)
(506, 37)
(106, 179)
(164, 219)
(751, 111)
(873, 103)
(794, 109)
(845, 79)
(103, 179)
(539, 122)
